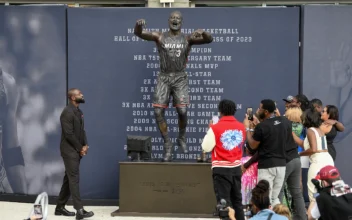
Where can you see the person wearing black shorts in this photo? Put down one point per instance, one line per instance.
(12, 175)
(173, 47)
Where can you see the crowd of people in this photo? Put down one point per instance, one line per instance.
(258, 163)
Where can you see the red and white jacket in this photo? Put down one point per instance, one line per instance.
(225, 140)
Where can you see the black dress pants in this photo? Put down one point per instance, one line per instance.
(70, 185)
(227, 185)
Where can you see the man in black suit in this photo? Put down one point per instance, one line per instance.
(73, 147)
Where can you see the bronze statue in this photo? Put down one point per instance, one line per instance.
(173, 47)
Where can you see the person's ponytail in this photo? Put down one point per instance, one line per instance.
(260, 195)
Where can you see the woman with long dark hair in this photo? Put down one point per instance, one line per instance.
(315, 146)
(330, 116)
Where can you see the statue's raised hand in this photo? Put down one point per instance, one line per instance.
(141, 22)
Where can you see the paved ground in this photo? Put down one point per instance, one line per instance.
(20, 211)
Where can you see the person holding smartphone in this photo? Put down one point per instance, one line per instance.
(270, 138)
(225, 141)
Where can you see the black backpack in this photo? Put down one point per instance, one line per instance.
(334, 208)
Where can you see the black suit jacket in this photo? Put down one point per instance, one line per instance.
(73, 135)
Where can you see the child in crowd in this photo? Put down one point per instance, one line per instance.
(294, 115)
(249, 177)
(282, 210)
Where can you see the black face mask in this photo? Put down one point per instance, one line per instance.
(80, 100)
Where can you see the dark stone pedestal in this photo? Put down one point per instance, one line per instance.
(166, 189)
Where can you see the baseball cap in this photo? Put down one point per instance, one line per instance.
(328, 172)
(289, 98)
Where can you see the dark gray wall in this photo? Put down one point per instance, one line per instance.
(327, 61)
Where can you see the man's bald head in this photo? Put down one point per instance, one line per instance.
(176, 13)
(175, 21)
(72, 92)
(75, 96)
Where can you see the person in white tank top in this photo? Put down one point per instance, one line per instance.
(315, 146)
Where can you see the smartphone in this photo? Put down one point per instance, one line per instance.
(38, 213)
(275, 112)
(250, 113)
(215, 119)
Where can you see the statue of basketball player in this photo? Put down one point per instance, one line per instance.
(12, 177)
(173, 47)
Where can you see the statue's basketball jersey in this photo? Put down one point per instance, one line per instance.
(173, 52)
